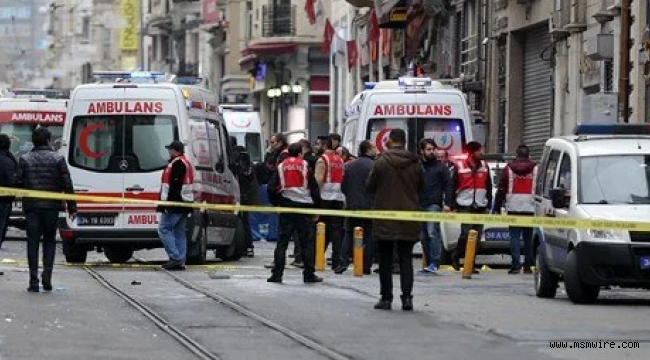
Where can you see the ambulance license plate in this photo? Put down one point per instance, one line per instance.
(644, 262)
(96, 219)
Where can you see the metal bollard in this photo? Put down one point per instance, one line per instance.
(320, 247)
(358, 251)
(470, 251)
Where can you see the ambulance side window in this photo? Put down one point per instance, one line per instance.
(227, 145)
(200, 144)
(550, 171)
(214, 139)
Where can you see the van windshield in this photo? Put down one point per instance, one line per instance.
(601, 181)
(121, 143)
(21, 136)
(449, 134)
(252, 142)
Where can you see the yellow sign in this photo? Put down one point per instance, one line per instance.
(418, 216)
(129, 62)
(130, 12)
(398, 14)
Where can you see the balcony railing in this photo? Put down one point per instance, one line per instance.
(278, 20)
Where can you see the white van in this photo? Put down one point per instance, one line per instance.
(114, 144)
(245, 126)
(19, 116)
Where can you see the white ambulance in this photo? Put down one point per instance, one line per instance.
(245, 127)
(114, 144)
(19, 116)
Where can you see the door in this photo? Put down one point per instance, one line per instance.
(546, 182)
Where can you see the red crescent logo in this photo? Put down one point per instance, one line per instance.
(83, 141)
(380, 140)
(241, 122)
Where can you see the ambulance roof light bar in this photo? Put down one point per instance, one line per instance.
(612, 129)
(129, 75)
(414, 83)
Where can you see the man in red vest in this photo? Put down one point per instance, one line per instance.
(293, 185)
(516, 192)
(472, 187)
(177, 186)
(330, 169)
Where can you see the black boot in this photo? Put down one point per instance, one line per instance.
(47, 280)
(407, 302)
(384, 304)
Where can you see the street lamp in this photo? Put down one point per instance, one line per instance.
(286, 89)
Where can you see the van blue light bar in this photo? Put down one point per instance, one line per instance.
(369, 85)
(154, 75)
(612, 129)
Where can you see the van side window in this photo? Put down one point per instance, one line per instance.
(564, 178)
(549, 172)
(539, 184)
(200, 144)
(226, 143)
(214, 140)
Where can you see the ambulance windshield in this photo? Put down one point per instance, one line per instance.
(449, 134)
(118, 143)
(21, 136)
(252, 142)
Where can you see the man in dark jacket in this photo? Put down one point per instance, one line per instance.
(43, 169)
(8, 166)
(358, 198)
(289, 188)
(436, 197)
(472, 188)
(516, 193)
(177, 186)
(396, 180)
(249, 190)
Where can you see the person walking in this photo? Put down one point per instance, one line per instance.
(249, 190)
(8, 165)
(516, 190)
(43, 169)
(436, 197)
(396, 180)
(358, 198)
(472, 187)
(177, 186)
(294, 186)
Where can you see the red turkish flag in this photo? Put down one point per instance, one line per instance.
(328, 35)
(310, 8)
(353, 54)
(373, 35)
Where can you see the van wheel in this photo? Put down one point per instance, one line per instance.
(578, 291)
(74, 254)
(237, 248)
(118, 255)
(546, 282)
(198, 248)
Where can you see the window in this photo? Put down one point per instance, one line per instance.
(253, 146)
(200, 143)
(214, 140)
(549, 172)
(539, 184)
(564, 178)
(449, 134)
(21, 137)
(601, 181)
(148, 137)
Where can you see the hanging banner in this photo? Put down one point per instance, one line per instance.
(130, 12)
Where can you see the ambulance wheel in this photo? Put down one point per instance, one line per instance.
(74, 254)
(197, 248)
(237, 248)
(118, 255)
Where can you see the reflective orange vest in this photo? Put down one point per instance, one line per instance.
(331, 187)
(521, 191)
(472, 186)
(187, 189)
(294, 184)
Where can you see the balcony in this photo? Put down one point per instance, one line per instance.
(278, 20)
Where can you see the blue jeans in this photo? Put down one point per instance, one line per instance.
(172, 232)
(516, 235)
(432, 243)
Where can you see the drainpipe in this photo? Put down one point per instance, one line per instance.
(624, 66)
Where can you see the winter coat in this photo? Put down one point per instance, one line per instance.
(396, 180)
(46, 170)
(437, 184)
(354, 184)
(8, 165)
(518, 166)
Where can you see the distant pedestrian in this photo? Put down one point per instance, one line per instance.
(436, 197)
(249, 190)
(516, 193)
(177, 186)
(45, 170)
(396, 180)
(443, 157)
(308, 154)
(8, 165)
(357, 197)
(263, 171)
(336, 141)
(294, 186)
(279, 145)
(472, 187)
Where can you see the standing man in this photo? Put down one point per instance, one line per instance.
(45, 170)
(294, 186)
(357, 197)
(177, 186)
(329, 174)
(396, 180)
(8, 166)
(472, 187)
(517, 188)
(336, 141)
(249, 190)
(436, 197)
(279, 147)
(443, 157)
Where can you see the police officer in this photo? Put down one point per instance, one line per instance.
(517, 188)
(329, 174)
(472, 187)
(294, 186)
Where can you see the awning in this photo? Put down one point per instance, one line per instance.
(320, 83)
(279, 48)
(247, 63)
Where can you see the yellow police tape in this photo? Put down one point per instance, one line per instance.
(418, 216)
